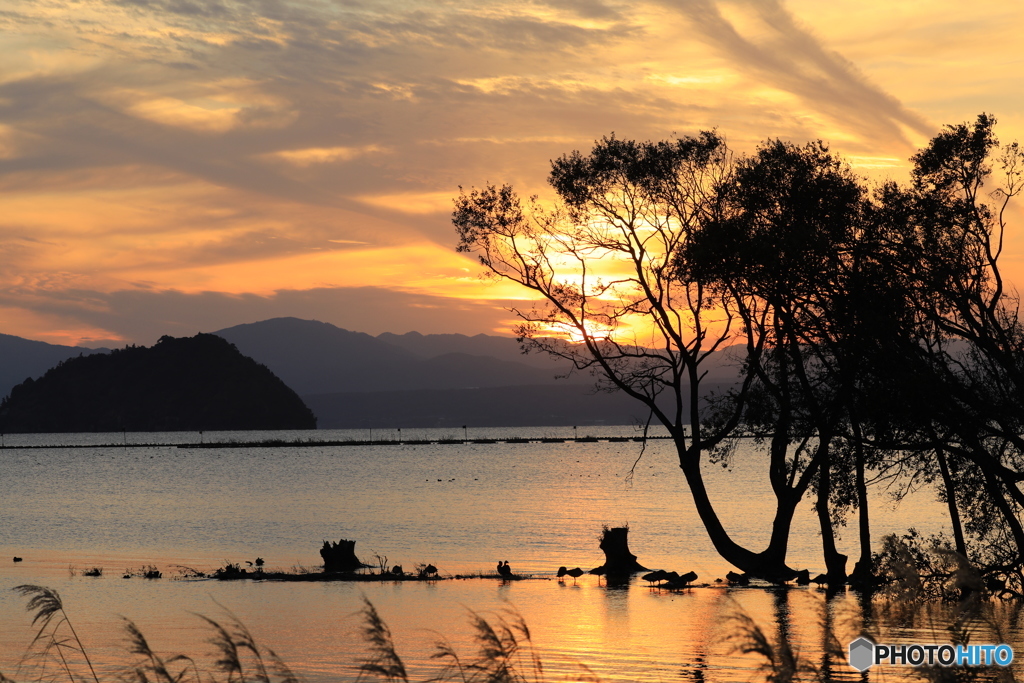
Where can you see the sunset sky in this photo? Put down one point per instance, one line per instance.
(176, 166)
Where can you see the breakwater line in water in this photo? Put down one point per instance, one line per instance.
(299, 443)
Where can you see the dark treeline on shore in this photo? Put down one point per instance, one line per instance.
(880, 342)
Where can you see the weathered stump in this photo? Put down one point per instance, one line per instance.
(617, 558)
(340, 556)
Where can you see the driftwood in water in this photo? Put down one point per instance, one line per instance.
(617, 558)
(340, 556)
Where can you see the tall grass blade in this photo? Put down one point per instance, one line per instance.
(153, 663)
(384, 661)
(49, 610)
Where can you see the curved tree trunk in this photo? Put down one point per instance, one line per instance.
(769, 564)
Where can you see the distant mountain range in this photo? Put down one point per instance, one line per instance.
(355, 380)
(316, 358)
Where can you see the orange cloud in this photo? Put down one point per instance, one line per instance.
(209, 152)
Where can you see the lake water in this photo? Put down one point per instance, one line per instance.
(461, 507)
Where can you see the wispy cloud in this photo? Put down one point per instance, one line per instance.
(785, 54)
(247, 148)
(323, 155)
(96, 318)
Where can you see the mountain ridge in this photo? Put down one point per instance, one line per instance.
(22, 359)
(314, 357)
(433, 379)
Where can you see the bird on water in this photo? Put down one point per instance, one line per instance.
(575, 573)
(655, 576)
(738, 579)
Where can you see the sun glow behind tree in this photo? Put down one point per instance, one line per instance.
(835, 289)
(601, 258)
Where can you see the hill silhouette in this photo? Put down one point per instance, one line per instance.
(189, 383)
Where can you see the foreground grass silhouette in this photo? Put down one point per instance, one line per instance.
(505, 652)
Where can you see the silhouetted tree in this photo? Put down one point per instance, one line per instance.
(967, 365)
(601, 260)
(875, 328)
(782, 254)
(606, 258)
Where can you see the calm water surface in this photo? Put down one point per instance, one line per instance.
(460, 507)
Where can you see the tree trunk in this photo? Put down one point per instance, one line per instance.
(340, 556)
(769, 564)
(954, 512)
(864, 568)
(994, 489)
(617, 558)
(835, 562)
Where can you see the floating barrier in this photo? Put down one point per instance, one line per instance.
(310, 443)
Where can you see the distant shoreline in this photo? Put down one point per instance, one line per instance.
(299, 443)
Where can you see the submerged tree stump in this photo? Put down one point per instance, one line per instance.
(617, 558)
(340, 556)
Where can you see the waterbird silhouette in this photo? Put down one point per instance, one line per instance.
(17, 559)
(575, 573)
(655, 576)
(803, 577)
(505, 570)
(738, 579)
(429, 570)
(820, 579)
(680, 581)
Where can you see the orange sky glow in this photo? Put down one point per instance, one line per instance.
(175, 166)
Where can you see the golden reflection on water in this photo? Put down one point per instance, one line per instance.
(632, 633)
(460, 507)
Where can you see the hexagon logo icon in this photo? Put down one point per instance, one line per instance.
(862, 654)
